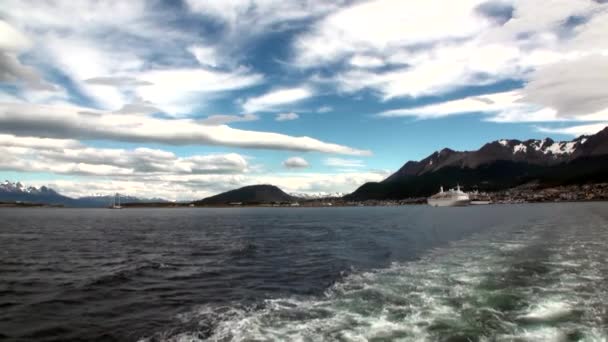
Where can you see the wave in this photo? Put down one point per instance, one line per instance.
(121, 275)
(498, 286)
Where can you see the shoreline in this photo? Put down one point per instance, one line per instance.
(597, 192)
(362, 204)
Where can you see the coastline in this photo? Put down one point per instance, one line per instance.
(519, 195)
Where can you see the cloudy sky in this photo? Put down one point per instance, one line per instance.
(183, 99)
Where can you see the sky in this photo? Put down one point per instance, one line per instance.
(185, 99)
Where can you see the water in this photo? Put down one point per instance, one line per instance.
(488, 273)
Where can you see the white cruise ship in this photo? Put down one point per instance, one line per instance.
(450, 198)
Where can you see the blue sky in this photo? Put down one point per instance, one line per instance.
(184, 99)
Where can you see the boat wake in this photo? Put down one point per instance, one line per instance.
(532, 285)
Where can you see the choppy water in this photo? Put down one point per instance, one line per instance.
(488, 273)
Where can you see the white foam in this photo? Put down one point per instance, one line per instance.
(545, 334)
(407, 301)
(549, 310)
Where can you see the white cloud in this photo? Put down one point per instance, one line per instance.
(180, 90)
(64, 156)
(575, 130)
(569, 90)
(344, 163)
(491, 103)
(363, 61)
(112, 40)
(344, 182)
(388, 24)
(12, 43)
(206, 55)
(8, 140)
(295, 163)
(434, 47)
(82, 58)
(325, 109)
(86, 123)
(91, 14)
(276, 99)
(247, 17)
(286, 116)
(189, 187)
(499, 107)
(12, 39)
(221, 119)
(574, 88)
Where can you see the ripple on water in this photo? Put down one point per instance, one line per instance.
(487, 288)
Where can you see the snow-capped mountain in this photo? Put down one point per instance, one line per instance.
(545, 152)
(317, 195)
(18, 187)
(18, 192)
(498, 165)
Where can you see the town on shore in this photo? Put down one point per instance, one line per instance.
(523, 194)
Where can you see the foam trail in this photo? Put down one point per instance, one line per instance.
(492, 287)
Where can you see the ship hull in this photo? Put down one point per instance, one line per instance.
(448, 202)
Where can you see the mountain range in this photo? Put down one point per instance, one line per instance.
(17, 192)
(496, 166)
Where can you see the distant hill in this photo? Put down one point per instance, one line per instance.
(497, 165)
(253, 194)
(17, 192)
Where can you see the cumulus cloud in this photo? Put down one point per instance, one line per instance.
(286, 116)
(295, 163)
(78, 123)
(64, 156)
(430, 47)
(569, 90)
(276, 99)
(390, 24)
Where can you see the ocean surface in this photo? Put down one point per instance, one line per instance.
(536, 272)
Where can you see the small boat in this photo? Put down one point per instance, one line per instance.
(450, 198)
(115, 204)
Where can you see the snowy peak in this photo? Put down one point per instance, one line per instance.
(544, 152)
(545, 146)
(317, 195)
(18, 192)
(18, 187)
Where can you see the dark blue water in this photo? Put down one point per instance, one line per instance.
(529, 272)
